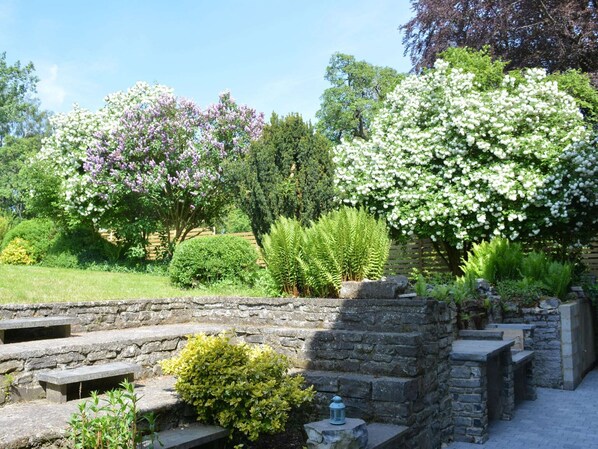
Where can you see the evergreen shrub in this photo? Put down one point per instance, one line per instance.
(39, 233)
(243, 388)
(205, 260)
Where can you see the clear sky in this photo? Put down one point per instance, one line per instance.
(270, 54)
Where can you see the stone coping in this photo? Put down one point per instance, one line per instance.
(525, 327)
(521, 357)
(478, 350)
(28, 323)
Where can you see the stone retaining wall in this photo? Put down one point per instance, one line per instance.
(388, 358)
(548, 361)
(105, 315)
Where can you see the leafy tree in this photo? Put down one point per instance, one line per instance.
(358, 89)
(553, 34)
(459, 159)
(288, 172)
(19, 112)
(490, 73)
(148, 161)
(14, 183)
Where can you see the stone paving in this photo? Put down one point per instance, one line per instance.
(556, 420)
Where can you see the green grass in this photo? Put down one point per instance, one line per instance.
(34, 284)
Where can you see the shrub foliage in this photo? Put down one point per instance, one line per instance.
(17, 252)
(246, 389)
(206, 260)
(39, 233)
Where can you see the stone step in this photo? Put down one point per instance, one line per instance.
(144, 346)
(41, 424)
(188, 437)
(363, 352)
(386, 436)
(368, 397)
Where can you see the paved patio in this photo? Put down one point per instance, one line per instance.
(556, 420)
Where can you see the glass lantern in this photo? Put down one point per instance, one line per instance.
(337, 411)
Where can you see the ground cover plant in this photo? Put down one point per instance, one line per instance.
(243, 388)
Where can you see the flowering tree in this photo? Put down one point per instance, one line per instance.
(458, 161)
(150, 161)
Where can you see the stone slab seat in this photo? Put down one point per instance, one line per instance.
(385, 436)
(58, 381)
(523, 375)
(478, 350)
(522, 357)
(35, 328)
(189, 437)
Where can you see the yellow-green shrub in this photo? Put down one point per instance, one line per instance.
(17, 252)
(244, 388)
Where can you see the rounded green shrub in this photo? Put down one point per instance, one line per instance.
(205, 260)
(39, 233)
(17, 252)
(246, 389)
(79, 247)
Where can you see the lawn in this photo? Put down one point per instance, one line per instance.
(34, 284)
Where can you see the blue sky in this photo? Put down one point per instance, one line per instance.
(270, 54)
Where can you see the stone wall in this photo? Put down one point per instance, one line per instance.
(577, 345)
(104, 315)
(548, 361)
(387, 358)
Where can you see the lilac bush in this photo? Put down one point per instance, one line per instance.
(152, 162)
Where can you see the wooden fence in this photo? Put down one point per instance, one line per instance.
(403, 258)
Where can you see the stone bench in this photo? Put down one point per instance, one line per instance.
(523, 375)
(481, 386)
(192, 436)
(38, 328)
(62, 385)
(522, 360)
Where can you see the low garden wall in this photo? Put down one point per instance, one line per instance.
(106, 315)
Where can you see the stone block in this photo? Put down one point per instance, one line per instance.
(369, 290)
(323, 435)
(355, 388)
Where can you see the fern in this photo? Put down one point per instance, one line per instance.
(345, 245)
(494, 261)
(283, 252)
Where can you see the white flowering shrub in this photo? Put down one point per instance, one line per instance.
(457, 162)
